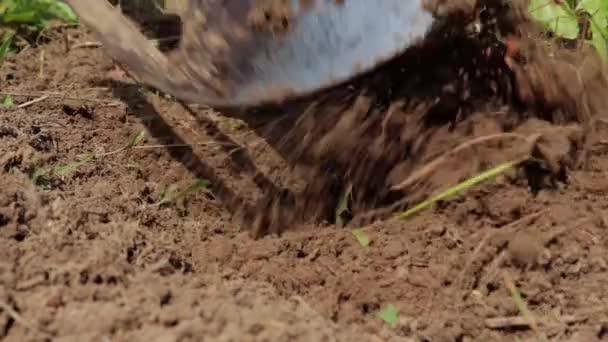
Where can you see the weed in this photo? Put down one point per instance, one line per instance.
(41, 178)
(26, 17)
(70, 167)
(389, 315)
(35, 13)
(167, 197)
(6, 101)
(571, 19)
(137, 139)
(178, 198)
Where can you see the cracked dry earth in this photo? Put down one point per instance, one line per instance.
(88, 254)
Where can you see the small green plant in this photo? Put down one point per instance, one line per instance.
(70, 167)
(571, 19)
(135, 140)
(6, 101)
(389, 315)
(19, 18)
(198, 185)
(178, 198)
(41, 178)
(35, 13)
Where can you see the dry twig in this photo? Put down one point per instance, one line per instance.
(19, 319)
(36, 100)
(61, 96)
(85, 45)
(523, 322)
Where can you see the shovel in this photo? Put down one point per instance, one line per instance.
(244, 53)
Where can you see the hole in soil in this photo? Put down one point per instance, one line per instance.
(367, 308)
(20, 236)
(3, 220)
(10, 322)
(131, 254)
(98, 279)
(188, 268)
(83, 278)
(112, 280)
(171, 323)
(165, 299)
(603, 333)
(492, 287)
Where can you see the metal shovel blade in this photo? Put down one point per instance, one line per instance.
(237, 53)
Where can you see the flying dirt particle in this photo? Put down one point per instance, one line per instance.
(307, 4)
(216, 42)
(273, 16)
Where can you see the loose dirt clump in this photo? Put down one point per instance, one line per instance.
(102, 248)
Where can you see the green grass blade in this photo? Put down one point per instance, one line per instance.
(523, 308)
(70, 167)
(599, 41)
(599, 21)
(361, 237)
(6, 46)
(493, 172)
(198, 185)
(136, 139)
(342, 207)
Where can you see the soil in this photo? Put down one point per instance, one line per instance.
(94, 249)
(271, 16)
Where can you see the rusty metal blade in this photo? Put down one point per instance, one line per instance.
(240, 53)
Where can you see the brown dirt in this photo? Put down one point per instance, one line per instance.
(271, 15)
(89, 255)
